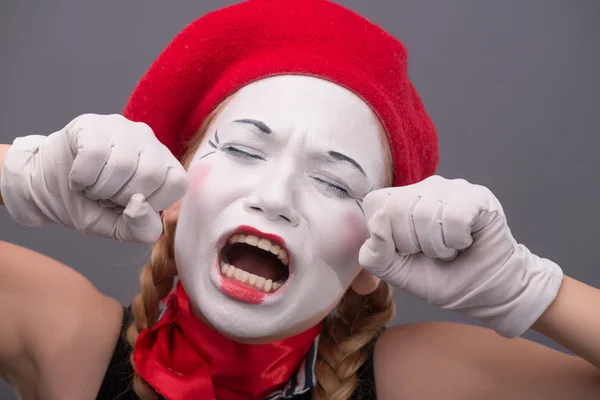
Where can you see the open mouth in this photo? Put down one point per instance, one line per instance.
(255, 260)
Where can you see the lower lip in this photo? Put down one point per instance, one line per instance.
(241, 292)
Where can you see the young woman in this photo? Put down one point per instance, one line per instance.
(282, 162)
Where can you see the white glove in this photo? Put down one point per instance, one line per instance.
(102, 175)
(447, 243)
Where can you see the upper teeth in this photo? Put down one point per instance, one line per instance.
(262, 243)
(259, 282)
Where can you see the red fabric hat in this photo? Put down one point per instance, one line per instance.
(225, 50)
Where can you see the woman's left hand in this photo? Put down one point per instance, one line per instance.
(447, 242)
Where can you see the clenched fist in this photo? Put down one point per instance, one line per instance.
(447, 242)
(102, 175)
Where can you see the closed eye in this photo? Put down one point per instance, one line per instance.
(234, 151)
(336, 189)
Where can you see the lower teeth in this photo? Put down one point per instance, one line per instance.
(258, 282)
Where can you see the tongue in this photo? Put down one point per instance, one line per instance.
(256, 261)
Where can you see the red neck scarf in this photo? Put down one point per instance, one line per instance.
(183, 359)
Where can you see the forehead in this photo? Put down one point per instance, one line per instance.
(315, 112)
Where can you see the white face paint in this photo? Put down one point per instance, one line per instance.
(288, 160)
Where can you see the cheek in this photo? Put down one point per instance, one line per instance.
(342, 240)
(355, 233)
(197, 202)
(198, 175)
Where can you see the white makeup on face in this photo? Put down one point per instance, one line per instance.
(269, 233)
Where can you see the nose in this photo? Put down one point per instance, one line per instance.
(274, 199)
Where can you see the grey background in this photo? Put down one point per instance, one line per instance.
(511, 85)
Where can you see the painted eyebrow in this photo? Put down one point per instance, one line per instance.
(345, 158)
(264, 128)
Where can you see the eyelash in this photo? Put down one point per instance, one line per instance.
(234, 151)
(338, 190)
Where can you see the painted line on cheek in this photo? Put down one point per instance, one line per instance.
(207, 154)
(360, 206)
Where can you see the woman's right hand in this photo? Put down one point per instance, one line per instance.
(102, 175)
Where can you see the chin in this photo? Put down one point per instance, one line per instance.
(243, 322)
(257, 323)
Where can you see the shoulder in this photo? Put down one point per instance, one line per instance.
(442, 360)
(62, 329)
(420, 336)
(435, 360)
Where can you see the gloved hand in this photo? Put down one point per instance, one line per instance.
(102, 175)
(447, 243)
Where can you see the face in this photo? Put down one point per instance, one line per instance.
(268, 235)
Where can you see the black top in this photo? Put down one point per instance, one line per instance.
(117, 383)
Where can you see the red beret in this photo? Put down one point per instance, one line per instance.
(227, 49)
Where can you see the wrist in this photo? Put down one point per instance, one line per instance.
(571, 320)
(519, 294)
(539, 289)
(16, 181)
